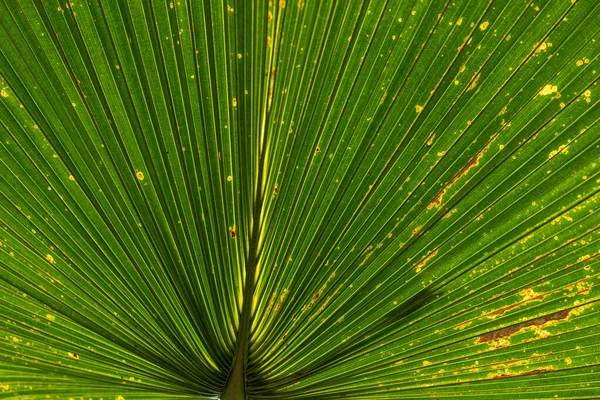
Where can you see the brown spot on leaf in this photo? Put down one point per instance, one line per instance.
(422, 263)
(474, 82)
(502, 310)
(437, 200)
(508, 373)
(511, 330)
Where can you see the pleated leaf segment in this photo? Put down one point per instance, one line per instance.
(248, 199)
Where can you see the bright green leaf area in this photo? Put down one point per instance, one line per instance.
(307, 199)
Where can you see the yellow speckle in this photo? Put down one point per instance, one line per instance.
(474, 82)
(73, 355)
(140, 175)
(484, 25)
(71, 178)
(239, 55)
(543, 47)
(282, 3)
(120, 398)
(49, 258)
(3, 93)
(50, 317)
(587, 94)
(171, 4)
(562, 149)
(568, 360)
(548, 89)
(229, 178)
(579, 63)
(418, 108)
(234, 102)
(459, 22)
(430, 139)
(426, 363)
(229, 8)
(15, 339)
(500, 146)
(413, 12)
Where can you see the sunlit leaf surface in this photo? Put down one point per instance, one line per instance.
(356, 199)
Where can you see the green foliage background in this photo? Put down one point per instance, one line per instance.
(358, 199)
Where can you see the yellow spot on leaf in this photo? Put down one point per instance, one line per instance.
(473, 82)
(562, 149)
(463, 325)
(229, 178)
(418, 108)
(140, 175)
(459, 22)
(548, 89)
(49, 258)
(484, 25)
(3, 93)
(50, 317)
(423, 261)
(430, 139)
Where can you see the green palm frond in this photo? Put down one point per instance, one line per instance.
(299, 200)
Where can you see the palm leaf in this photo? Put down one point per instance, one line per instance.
(312, 199)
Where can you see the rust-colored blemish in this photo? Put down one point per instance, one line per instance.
(424, 260)
(508, 374)
(511, 330)
(437, 200)
(502, 310)
(474, 82)
(430, 138)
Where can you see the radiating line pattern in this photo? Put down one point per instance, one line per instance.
(418, 180)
